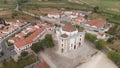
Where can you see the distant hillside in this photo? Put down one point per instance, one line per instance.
(107, 5)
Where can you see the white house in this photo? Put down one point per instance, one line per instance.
(73, 15)
(54, 15)
(27, 42)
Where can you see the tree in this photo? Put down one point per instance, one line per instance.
(113, 30)
(115, 57)
(21, 1)
(90, 37)
(79, 27)
(110, 40)
(24, 53)
(45, 43)
(36, 47)
(14, 14)
(95, 9)
(100, 44)
(86, 17)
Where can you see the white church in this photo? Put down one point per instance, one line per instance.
(69, 38)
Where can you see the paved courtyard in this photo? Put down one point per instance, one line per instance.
(71, 59)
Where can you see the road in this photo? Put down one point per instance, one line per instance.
(9, 51)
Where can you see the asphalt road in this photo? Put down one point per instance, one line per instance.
(9, 51)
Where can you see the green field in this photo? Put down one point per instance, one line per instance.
(54, 4)
(113, 5)
(8, 4)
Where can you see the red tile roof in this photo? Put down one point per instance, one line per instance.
(6, 30)
(16, 39)
(21, 34)
(79, 19)
(97, 23)
(12, 27)
(69, 27)
(42, 65)
(40, 24)
(29, 39)
(53, 13)
(31, 28)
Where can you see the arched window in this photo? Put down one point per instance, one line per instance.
(74, 46)
(62, 50)
(79, 43)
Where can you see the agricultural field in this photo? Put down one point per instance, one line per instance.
(8, 4)
(112, 5)
(54, 4)
(10, 15)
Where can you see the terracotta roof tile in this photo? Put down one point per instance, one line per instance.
(29, 39)
(79, 19)
(97, 23)
(69, 27)
(42, 65)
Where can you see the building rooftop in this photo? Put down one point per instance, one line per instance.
(29, 39)
(96, 23)
(42, 65)
(79, 19)
(69, 27)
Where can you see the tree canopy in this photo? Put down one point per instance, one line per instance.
(24, 53)
(90, 37)
(100, 44)
(45, 43)
(115, 57)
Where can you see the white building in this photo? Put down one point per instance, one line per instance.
(25, 43)
(54, 15)
(69, 38)
(73, 15)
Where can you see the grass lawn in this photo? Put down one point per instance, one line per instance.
(21, 63)
(99, 15)
(115, 19)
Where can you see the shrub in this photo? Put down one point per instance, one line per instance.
(90, 37)
(24, 53)
(100, 44)
(115, 57)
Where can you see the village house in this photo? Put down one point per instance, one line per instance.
(27, 42)
(20, 35)
(73, 15)
(95, 25)
(53, 15)
(79, 20)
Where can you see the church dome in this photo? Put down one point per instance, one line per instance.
(69, 27)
